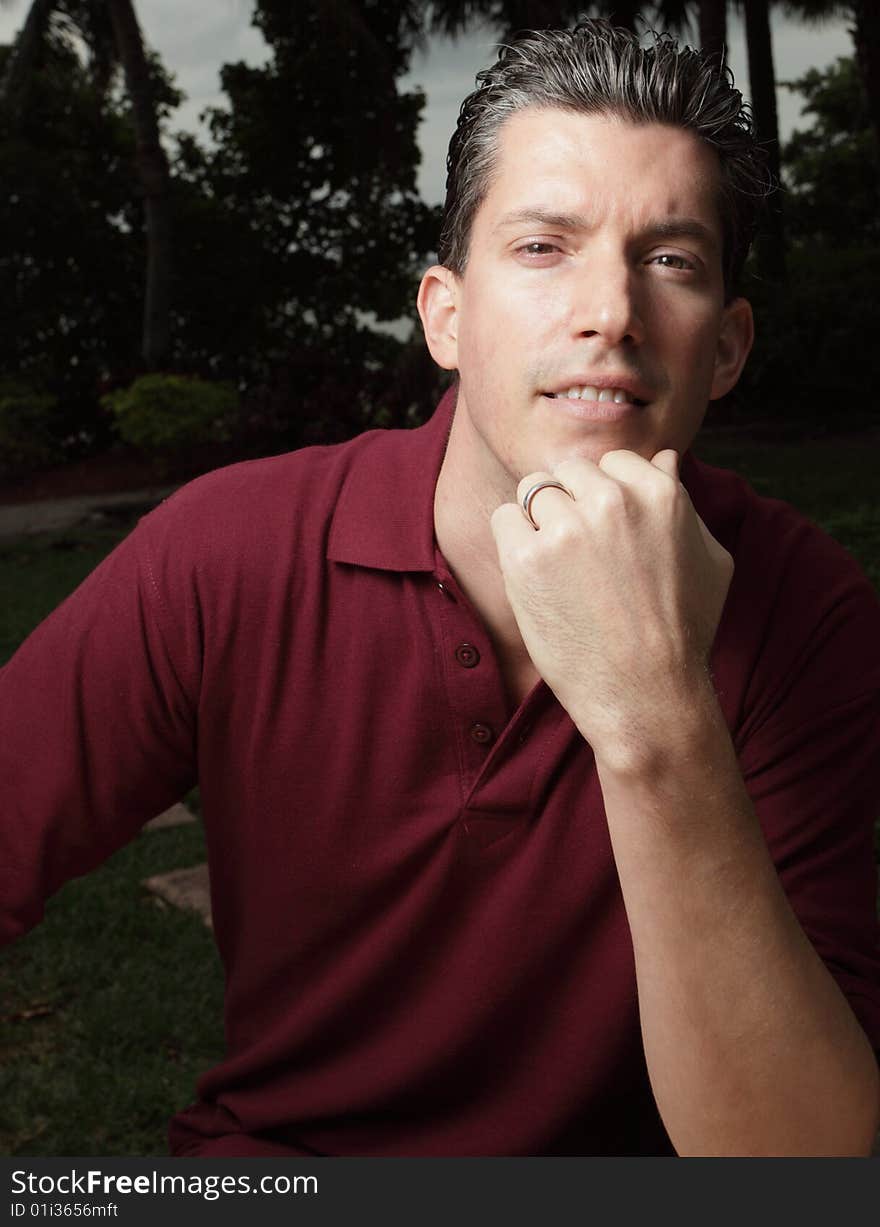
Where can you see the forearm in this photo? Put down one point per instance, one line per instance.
(751, 1047)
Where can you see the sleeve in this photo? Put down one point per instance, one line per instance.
(97, 727)
(809, 750)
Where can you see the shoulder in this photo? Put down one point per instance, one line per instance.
(306, 480)
(800, 631)
(771, 541)
(256, 506)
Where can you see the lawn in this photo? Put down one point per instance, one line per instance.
(112, 1007)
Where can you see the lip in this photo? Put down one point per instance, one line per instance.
(593, 410)
(626, 383)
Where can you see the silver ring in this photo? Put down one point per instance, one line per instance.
(547, 483)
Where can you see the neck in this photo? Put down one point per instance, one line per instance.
(464, 500)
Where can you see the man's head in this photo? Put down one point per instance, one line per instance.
(597, 69)
(584, 296)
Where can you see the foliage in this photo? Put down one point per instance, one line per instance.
(158, 413)
(299, 226)
(28, 427)
(70, 258)
(310, 190)
(815, 354)
(831, 167)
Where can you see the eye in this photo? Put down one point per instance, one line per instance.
(668, 259)
(536, 248)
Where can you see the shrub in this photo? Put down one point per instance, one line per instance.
(28, 428)
(159, 413)
(816, 356)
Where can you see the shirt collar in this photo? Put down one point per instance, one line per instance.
(384, 517)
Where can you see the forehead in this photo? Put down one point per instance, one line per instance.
(600, 167)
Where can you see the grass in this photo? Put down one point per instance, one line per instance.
(832, 480)
(112, 1007)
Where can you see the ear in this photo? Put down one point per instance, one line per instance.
(734, 343)
(438, 311)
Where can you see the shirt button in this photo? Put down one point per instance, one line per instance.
(446, 591)
(482, 734)
(467, 655)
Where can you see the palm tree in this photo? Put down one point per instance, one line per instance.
(712, 22)
(509, 16)
(111, 31)
(867, 39)
(866, 36)
(152, 168)
(17, 77)
(770, 250)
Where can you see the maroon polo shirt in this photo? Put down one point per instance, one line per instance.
(415, 900)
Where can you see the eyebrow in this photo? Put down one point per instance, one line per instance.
(661, 228)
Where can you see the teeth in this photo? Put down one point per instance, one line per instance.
(617, 395)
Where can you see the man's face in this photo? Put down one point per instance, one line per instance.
(595, 265)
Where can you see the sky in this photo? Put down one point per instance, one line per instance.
(196, 37)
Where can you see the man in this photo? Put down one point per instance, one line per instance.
(538, 760)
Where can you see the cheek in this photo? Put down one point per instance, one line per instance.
(690, 340)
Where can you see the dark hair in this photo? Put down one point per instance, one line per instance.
(597, 68)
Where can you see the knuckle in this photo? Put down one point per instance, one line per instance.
(665, 491)
(611, 500)
(572, 466)
(562, 533)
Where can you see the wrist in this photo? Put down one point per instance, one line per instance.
(663, 730)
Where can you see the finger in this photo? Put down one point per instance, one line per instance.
(627, 466)
(582, 477)
(667, 460)
(545, 502)
(509, 526)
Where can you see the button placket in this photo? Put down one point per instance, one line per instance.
(473, 681)
(467, 655)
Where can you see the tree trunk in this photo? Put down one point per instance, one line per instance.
(624, 13)
(762, 78)
(152, 168)
(713, 27)
(867, 40)
(20, 66)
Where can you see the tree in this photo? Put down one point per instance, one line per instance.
(313, 171)
(152, 168)
(510, 16)
(712, 23)
(770, 246)
(18, 70)
(90, 18)
(866, 33)
(71, 245)
(865, 30)
(832, 200)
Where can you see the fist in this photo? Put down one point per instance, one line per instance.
(618, 592)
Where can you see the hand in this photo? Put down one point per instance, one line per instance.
(619, 593)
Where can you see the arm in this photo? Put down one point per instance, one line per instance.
(97, 730)
(751, 1046)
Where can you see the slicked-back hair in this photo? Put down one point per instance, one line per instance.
(598, 69)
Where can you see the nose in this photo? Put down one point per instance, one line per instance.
(606, 302)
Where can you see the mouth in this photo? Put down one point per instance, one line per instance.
(611, 394)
